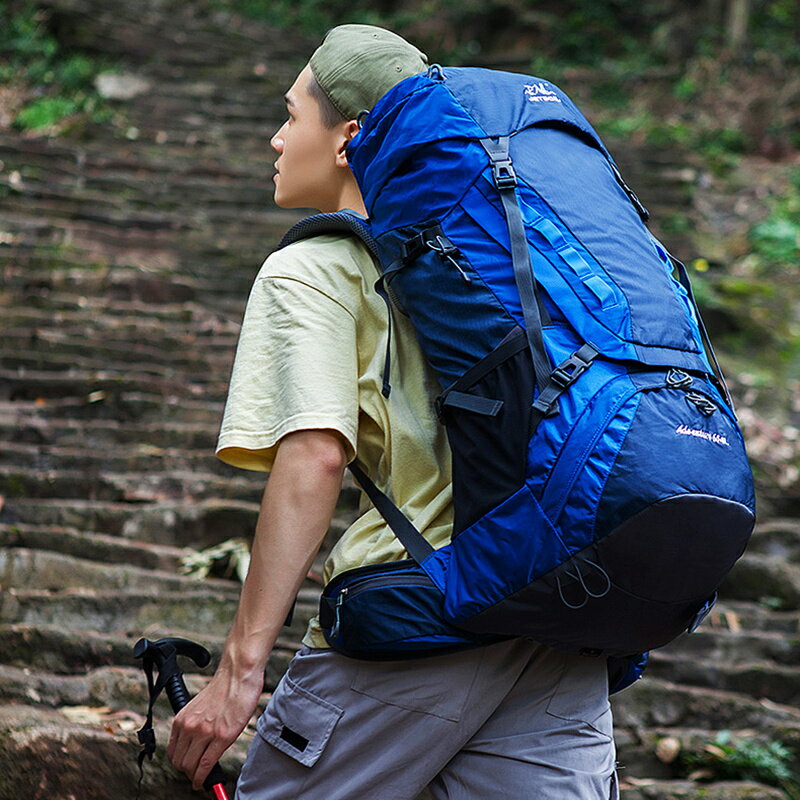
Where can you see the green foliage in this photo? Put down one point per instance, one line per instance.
(573, 31)
(746, 759)
(46, 111)
(59, 83)
(776, 240)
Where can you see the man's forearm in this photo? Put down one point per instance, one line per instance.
(296, 510)
(295, 514)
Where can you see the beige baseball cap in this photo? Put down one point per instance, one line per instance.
(357, 64)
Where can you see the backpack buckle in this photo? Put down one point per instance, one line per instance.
(567, 372)
(503, 173)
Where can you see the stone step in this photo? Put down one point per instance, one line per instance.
(721, 645)
(97, 396)
(157, 355)
(139, 360)
(112, 381)
(36, 428)
(655, 703)
(753, 616)
(134, 613)
(136, 322)
(117, 687)
(755, 678)
(132, 198)
(60, 651)
(137, 317)
(777, 538)
(96, 270)
(132, 487)
(229, 306)
(199, 523)
(54, 650)
(46, 753)
(648, 789)
(758, 577)
(94, 547)
(24, 568)
(142, 458)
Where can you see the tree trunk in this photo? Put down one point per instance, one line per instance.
(738, 23)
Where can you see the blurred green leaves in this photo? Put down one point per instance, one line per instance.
(57, 85)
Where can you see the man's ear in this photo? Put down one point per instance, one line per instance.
(349, 130)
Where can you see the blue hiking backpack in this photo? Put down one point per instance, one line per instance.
(600, 482)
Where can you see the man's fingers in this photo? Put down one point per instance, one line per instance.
(206, 762)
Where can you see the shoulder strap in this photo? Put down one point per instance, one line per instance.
(345, 221)
(349, 222)
(413, 541)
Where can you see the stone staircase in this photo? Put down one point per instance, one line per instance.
(126, 255)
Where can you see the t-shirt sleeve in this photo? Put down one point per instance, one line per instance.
(296, 368)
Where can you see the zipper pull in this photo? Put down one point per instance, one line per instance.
(339, 602)
(445, 248)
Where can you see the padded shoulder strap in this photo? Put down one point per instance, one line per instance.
(345, 221)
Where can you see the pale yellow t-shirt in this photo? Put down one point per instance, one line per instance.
(311, 355)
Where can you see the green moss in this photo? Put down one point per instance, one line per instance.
(58, 82)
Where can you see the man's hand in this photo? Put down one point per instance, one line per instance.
(205, 728)
(295, 515)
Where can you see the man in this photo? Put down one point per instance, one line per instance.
(514, 719)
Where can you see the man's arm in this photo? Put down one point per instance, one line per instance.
(296, 512)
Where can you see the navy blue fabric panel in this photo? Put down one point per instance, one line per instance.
(456, 322)
(696, 454)
(578, 184)
(502, 552)
(505, 102)
(393, 141)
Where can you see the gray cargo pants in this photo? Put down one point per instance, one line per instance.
(514, 720)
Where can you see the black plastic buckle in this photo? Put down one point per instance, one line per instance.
(504, 175)
(567, 372)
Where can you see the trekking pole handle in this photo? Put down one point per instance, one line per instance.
(178, 696)
(175, 687)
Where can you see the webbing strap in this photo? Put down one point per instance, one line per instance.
(147, 734)
(505, 180)
(594, 283)
(683, 277)
(413, 541)
(643, 213)
(485, 406)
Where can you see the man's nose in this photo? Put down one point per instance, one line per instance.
(276, 142)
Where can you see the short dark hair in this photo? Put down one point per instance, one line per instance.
(329, 114)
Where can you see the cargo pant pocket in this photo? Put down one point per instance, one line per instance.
(581, 695)
(298, 723)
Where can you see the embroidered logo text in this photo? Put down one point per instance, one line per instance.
(717, 438)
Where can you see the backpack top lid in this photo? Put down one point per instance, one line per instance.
(466, 103)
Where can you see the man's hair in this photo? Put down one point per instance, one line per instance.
(329, 114)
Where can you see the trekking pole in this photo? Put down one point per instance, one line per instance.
(163, 656)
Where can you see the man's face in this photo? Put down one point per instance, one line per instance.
(306, 172)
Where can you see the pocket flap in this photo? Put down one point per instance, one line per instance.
(298, 722)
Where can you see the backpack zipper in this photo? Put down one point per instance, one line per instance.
(373, 582)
